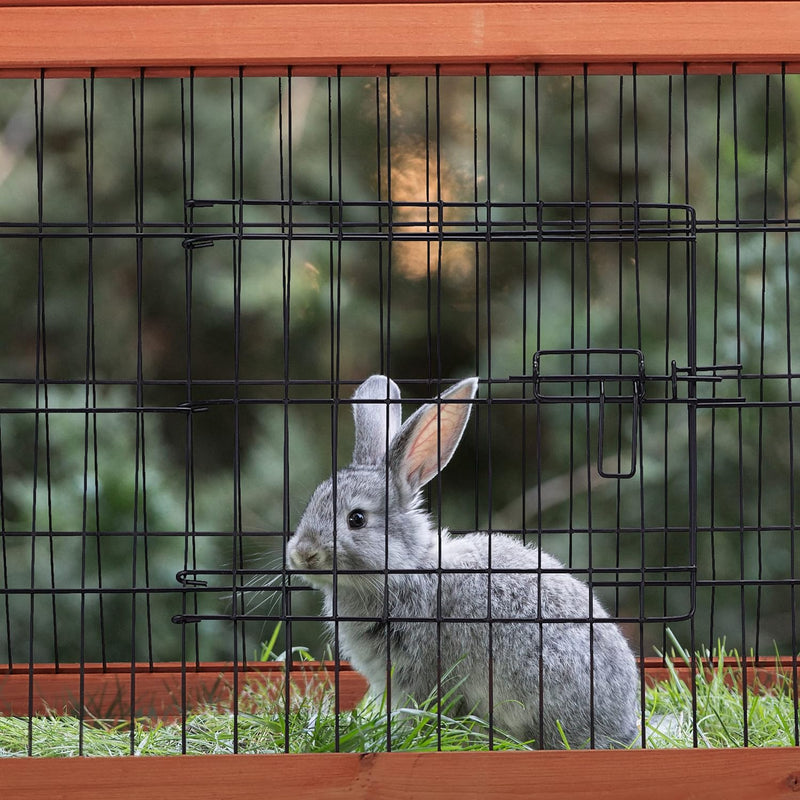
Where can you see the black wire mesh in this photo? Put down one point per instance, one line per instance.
(199, 272)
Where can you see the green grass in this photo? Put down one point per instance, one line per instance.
(726, 717)
(312, 725)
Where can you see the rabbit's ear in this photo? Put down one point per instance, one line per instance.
(376, 423)
(429, 437)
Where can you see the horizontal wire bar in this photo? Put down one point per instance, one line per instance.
(655, 530)
(202, 406)
(181, 619)
(282, 384)
(645, 582)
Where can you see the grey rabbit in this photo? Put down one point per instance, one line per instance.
(372, 517)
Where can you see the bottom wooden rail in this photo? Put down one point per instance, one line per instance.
(652, 774)
(166, 690)
(163, 690)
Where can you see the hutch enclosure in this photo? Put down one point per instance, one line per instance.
(205, 252)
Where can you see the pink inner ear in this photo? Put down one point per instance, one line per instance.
(423, 459)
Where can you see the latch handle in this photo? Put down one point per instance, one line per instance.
(603, 473)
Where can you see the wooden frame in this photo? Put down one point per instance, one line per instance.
(165, 690)
(163, 37)
(211, 37)
(595, 774)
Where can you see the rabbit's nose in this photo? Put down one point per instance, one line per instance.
(303, 556)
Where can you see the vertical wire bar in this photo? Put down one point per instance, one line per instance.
(439, 254)
(384, 271)
(240, 233)
(691, 346)
(640, 347)
(4, 551)
(713, 433)
(379, 171)
(4, 554)
(284, 159)
(389, 261)
(620, 327)
(189, 304)
(236, 597)
(145, 528)
(91, 372)
(692, 413)
(190, 542)
(714, 353)
(790, 409)
(287, 594)
(139, 488)
(488, 269)
(740, 416)
(140, 229)
(434, 284)
(237, 208)
(642, 521)
(46, 396)
(90, 397)
(336, 377)
(525, 268)
(667, 355)
(573, 316)
(335, 301)
(287, 194)
(38, 100)
(286, 380)
(589, 515)
(762, 371)
(636, 454)
(477, 290)
(539, 293)
(385, 282)
(434, 372)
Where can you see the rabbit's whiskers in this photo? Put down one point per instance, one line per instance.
(260, 584)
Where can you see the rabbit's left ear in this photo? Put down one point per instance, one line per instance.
(429, 437)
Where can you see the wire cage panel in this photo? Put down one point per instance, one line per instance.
(200, 271)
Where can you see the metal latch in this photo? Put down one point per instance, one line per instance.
(703, 375)
(618, 367)
(589, 372)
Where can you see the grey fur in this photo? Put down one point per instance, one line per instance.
(375, 424)
(402, 639)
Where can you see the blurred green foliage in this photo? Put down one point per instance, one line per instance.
(109, 324)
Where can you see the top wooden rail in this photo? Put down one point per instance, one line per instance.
(173, 37)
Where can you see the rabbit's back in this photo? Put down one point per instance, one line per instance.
(582, 675)
(550, 666)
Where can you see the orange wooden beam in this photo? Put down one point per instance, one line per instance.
(599, 775)
(165, 690)
(267, 37)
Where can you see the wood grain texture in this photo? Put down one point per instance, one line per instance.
(593, 775)
(405, 36)
(164, 690)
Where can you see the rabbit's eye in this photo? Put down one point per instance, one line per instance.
(356, 519)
